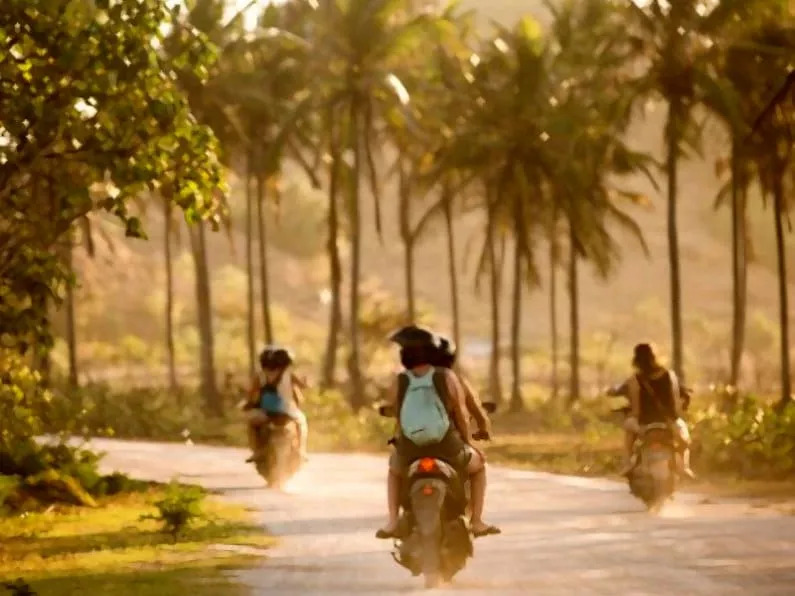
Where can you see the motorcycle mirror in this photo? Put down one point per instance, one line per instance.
(489, 406)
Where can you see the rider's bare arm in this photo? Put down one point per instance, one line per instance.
(299, 381)
(458, 404)
(676, 394)
(474, 406)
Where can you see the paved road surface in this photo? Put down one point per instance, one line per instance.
(562, 536)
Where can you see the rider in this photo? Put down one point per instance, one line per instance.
(419, 350)
(654, 397)
(277, 390)
(446, 358)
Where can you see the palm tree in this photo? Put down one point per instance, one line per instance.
(587, 122)
(250, 331)
(495, 262)
(359, 46)
(746, 102)
(574, 318)
(676, 41)
(772, 147)
(263, 260)
(168, 227)
(209, 106)
(208, 379)
(335, 262)
(501, 141)
(554, 250)
(69, 306)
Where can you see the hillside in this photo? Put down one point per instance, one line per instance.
(630, 304)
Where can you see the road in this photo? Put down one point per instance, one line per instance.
(561, 535)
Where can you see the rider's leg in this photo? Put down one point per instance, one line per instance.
(303, 432)
(477, 480)
(256, 417)
(630, 435)
(682, 434)
(393, 498)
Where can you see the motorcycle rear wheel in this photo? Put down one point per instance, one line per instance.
(431, 563)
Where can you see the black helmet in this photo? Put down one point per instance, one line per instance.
(414, 336)
(418, 346)
(447, 352)
(273, 357)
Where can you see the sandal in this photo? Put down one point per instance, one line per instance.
(385, 534)
(487, 531)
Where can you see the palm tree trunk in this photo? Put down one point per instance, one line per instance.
(574, 319)
(42, 351)
(553, 309)
(739, 267)
(495, 384)
(208, 385)
(451, 263)
(335, 269)
(263, 261)
(516, 355)
(169, 262)
(250, 319)
(408, 244)
(783, 298)
(672, 160)
(71, 330)
(354, 216)
(411, 312)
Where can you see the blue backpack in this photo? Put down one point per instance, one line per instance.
(422, 411)
(271, 401)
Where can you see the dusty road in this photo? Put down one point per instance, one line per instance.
(562, 536)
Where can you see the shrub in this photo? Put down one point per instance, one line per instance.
(753, 441)
(333, 426)
(9, 485)
(180, 507)
(23, 403)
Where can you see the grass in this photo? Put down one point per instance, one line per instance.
(108, 550)
(208, 581)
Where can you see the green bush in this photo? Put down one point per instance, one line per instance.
(334, 426)
(179, 508)
(97, 410)
(753, 441)
(23, 403)
(9, 485)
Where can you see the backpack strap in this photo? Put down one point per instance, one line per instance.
(403, 386)
(274, 385)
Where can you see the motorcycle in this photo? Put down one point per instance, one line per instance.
(653, 478)
(280, 458)
(433, 536)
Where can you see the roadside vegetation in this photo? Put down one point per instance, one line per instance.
(125, 546)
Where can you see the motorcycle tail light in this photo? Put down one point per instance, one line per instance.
(427, 464)
(427, 490)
